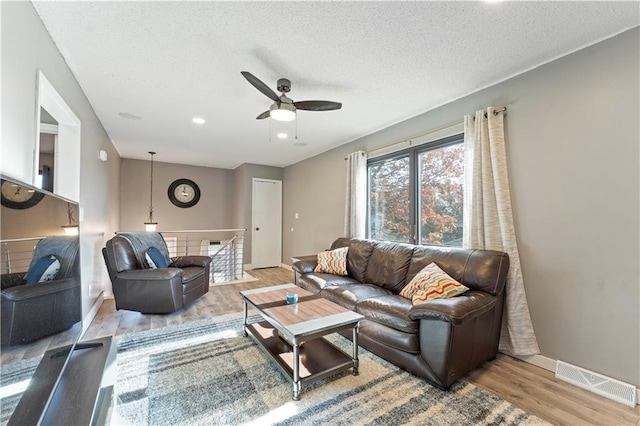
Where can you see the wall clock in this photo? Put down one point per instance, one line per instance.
(16, 196)
(184, 193)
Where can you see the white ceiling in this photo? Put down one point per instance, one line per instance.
(167, 62)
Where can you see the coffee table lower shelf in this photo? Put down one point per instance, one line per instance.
(318, 358)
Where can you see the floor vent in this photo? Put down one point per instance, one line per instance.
(597, 383)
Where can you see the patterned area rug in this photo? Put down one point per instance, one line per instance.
(206, 373)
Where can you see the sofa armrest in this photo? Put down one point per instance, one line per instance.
(455, 310)
(305, 264)
(184, 261)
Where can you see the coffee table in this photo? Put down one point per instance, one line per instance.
(292, 335)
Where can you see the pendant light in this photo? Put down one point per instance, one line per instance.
(150, 225)
(71, 228)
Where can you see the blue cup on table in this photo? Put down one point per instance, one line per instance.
(292, 298)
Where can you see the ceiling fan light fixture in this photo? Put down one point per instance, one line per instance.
(284, 112)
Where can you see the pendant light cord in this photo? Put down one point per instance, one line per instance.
(151, 192)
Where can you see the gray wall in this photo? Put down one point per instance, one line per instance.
(27, 48)
(213, 211)
(572, 130)
(225, 200)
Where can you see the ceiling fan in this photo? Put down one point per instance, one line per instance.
(284, 108)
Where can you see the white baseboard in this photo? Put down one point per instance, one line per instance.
(539, 361)
(248, 266)
(285, 266)
(86, 321)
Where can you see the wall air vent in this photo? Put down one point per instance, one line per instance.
(616, 390)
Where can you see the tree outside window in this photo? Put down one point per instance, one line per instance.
(417, 195)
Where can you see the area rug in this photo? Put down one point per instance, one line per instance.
(206, 373)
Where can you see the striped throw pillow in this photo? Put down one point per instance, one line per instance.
(333, 262)
(432, 283)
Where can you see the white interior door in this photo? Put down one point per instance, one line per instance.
(266, 219)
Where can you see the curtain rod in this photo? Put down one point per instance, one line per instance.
(447, 126)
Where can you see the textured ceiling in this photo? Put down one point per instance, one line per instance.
(167, 62)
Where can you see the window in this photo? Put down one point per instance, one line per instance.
(416, 195)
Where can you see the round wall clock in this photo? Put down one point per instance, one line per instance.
(184, 193)
(16, 196)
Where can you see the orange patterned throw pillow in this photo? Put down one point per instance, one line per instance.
(333, 262)
(432, 283)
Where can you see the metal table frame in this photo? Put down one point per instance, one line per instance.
(310, 333)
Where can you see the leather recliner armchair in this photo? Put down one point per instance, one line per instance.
(153, 291)
(32, 311)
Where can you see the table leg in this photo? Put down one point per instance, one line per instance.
(355, 350)
(296, 372)
(244, 317)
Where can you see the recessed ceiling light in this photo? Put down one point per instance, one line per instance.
(198, 120)
(129, 116)
(282, 135)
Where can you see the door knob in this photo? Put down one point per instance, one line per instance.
(257, 229)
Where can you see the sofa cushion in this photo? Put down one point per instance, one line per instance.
(315, 282)
(358, 256)
(390, 310)
(432, 283)
(349, 295)
(191, 273)
(388, 265)
(192, 277)
(333, 261)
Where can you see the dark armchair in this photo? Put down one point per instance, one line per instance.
(32, 311)
(137, 287)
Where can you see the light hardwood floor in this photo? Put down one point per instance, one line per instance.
(531, 388)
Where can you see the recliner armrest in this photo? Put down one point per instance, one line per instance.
(150, 274)
(184, 261)
(455, 310)
(305, 264)
(31, 291)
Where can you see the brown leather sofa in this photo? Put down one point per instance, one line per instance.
(153, 291)
(440, 340)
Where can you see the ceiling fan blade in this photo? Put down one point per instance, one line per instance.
(265, 114)
(317, 105)
(258, 84)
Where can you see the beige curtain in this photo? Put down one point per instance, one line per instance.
(488, 221)
(355, 210)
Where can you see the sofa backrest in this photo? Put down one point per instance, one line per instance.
(388, 265)
(357, 256)
(484, 270)
(393, 265)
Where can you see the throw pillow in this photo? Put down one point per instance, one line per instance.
(432, 283)
(333, 262)
(45, 269)
(154, 258)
